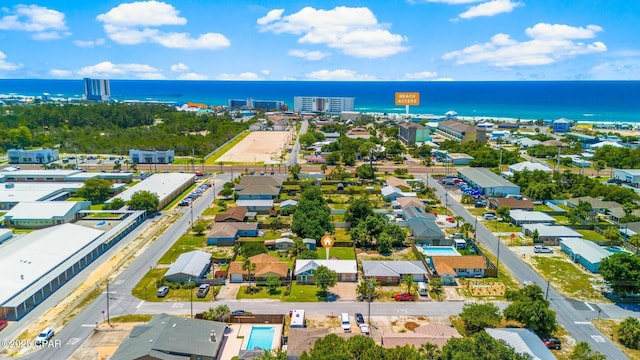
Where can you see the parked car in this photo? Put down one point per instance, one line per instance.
(404, 297)
(364, 329)
(44, 336)
(3, 324)
(240, 312)
(552, 343)
(359, 318)
(203, 290)
(489, 216)
(542, 249)
(162, 291)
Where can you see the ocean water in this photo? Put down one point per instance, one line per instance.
(583, 101)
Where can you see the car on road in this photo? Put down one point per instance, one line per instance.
(162, 291)
(203, 290)
(44, 336)
(489, 216)
(240, 312)
(404, 297)
(552, 343)
(364, 329)
(542, 249)
(359, 319)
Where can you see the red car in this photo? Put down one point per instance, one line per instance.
(404, 297)
(3, 324)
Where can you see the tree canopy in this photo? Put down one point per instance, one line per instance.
(312, 217)
(622, 272)
(478, 316)
(95, 190)
(144, 200)
(532, 310)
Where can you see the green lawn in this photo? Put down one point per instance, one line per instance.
(561, 219)
(591, 235)
(186, 243)
(567, 277)
(132, 318)
(337, 252)
(146, 289)
(220, 151)
(262, 294)
(499, 226)
(303, 293)
(542, 208)
(342, 234)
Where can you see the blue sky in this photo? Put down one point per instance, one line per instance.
(383, 40)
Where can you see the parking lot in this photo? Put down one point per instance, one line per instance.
(194, 195)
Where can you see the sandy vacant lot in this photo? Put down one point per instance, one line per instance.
(259, 146)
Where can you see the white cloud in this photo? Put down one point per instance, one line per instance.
(46, 24)
(59, 73)
(88, 43)
(110, 70)
(137, 22)
(490, 8)
(549, 44)
(241, 76)
(192, 76)
(354, 31)
(621, 69)
(340, 74)
(309, 55)
(7, 66)
(265, 72)
(180, 67)
(450, 2)
(420, 75)
(273, 15)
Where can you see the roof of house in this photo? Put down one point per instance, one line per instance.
(555, 231)
(288, 203)
(594, 202)
(562, 121)
(226, 230)
(339, 266)
(251, 203)
(392, 268)
(284, 240)
(260, 180)
(556, 143)
(512, 203)
(237, 213)
(606, 143)
(358, 132)
(390, 190)
(411, 212)
(448, 264)
(525, 141)
(397, 182)
(486, 178)
(410, 124)
(524, 341)
(265, 264)
(172, 337)
(259, 189)
(523, 215)
(433, 333)
(589, 250)
(303, 339)
(457, 125)
(421, 227)
(530, 166)
(459, 156)
(191, 263)
(410, 202)
(39, 210)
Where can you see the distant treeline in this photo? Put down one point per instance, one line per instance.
(114, 128)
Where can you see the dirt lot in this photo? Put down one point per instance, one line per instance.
(257, 147)
(101, 344)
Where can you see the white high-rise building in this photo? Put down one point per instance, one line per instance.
(317, 104)
(97, 89)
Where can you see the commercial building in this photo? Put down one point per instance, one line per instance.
(460, 131)
(166, 186)
(38, 156)
(411, 133)
(629, 176)
(529, 166)
(97, 89)
(317, 104)
(189, 266)
(41, 214)
(521, 217)
(488, 182)
(151, 156)
(13, 193)
(59, 175)
(584, 252)
(252, 104)
(35, 265)
(458, 159)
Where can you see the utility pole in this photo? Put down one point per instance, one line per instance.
(370, 291)
(191, 292)
(108, 320)
(498, 258)
(546, 293)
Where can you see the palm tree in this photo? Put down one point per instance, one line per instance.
(248, 266)
(368, 288)
(408, 281)
(297, 248)
(222, 313)
(458, 220)
(466, 228)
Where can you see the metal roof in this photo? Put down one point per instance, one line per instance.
(586, 249)
(392, 268)
(485, 178)
(38, 210)
(249, 203)
(523, 215)
(339, 266)
(190, 263)
(34, 191)
(35, 258)
(524, 341)
(161, 184)
(551, 231)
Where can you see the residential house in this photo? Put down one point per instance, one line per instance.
(398, 183)
(450, 267)
(597, 205)
(390, 193)
(529, 166)
(288, 204)
(168, 337)
(258, 192)
(283, 243)
(234, 214)
(271, 180)
(523, 341)
(561, 125)
(423, 226)
(358, 133)
(521, 217)
(260, 206)
(458, 159)
(392, 272)
(227, 233)
(347, 270)
(525, 142)
(550, 234)
(513, 203)
(584, 252)
(189, 266)
(405, 202)
(309, 243)
(266, 266)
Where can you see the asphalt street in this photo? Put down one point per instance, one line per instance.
(293, 158)
(574, 316)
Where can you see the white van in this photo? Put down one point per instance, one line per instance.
(344, 321)
(422, 289)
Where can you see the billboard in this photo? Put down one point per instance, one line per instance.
(407, 98)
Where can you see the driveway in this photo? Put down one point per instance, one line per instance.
(345, 291)
(229, 291)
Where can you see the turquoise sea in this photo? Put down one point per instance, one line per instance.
(583, 101)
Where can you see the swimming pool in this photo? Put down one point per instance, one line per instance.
(616, 249)
(261, 337)
(440, 251)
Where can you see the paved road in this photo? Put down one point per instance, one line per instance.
(293, 157)
(574, 316)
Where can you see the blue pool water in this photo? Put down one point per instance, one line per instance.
(615, 249)
(440, 251)
(101, 223)
(261, 337)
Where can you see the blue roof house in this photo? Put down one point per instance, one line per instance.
(561, 125)
(584, 252)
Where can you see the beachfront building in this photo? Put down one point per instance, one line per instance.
(97, 89)
(252, 104)
(561, 125)
(461, 131)
(488, 182)
(37, 156)
(317, 104)
(411, 133)
(151, 156)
